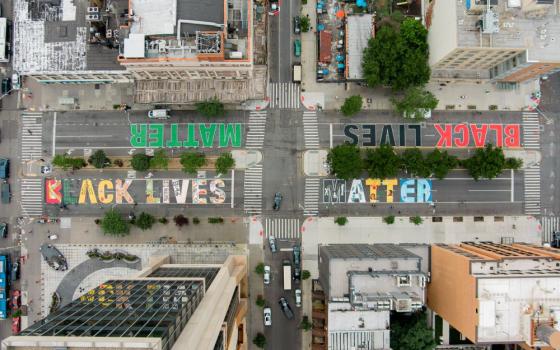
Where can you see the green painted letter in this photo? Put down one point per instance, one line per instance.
(230, 135)
(138, 135)
(191, 139)
(156, 137)
(174, 137)
(207, 134)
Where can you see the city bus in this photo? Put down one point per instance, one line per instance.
(4, 41)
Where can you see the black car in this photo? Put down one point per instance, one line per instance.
(297, 255)
(15, 271)
(6, 85)
(286, 309)
(297, 25)
(4, 230)
(277, 201)
(296, 275)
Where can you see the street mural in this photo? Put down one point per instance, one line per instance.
(450, 135)
(131, 191)
(407, 190)
(197, 135)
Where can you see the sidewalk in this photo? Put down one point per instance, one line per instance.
(459, 95)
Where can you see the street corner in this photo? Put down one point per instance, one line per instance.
(256, 105)
(245, 159)
(313, 100)
(315, 163)
(256, 230)
(529, 157)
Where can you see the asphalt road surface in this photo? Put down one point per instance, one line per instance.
(280, 42)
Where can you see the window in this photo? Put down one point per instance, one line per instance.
(479, 219)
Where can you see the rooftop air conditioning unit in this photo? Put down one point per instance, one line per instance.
(92, 9)
(403, 305)
(92, 17)
(162, 46)
(403, 281)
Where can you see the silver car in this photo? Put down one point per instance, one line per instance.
(267, 316)
(298, 297)
(266, 276)
(272, 244)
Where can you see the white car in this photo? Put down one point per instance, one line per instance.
(266, 276)
(298, 297)
(16, 83)
(267, 316)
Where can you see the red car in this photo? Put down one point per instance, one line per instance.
(16, 300)
(16, 325)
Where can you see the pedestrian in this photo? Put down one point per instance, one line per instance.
(42, 160)
(30, 132)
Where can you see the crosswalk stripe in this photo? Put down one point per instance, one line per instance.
(284, 95)
(531, 131)
(31, 136)
(282, 228)
(532, 190)
(311, 197)
(257, 127)
(31, 197)
(252, 190)
(549, 224)
(310, 130)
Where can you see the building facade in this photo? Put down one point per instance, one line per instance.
(503, 41)
(496, 293)
(166, 306)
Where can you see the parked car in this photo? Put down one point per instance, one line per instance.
(277, 201)
(272, 244)
(297, 26)
(159, 114)
(4, 168)
(298, 297)
(296, 252)
(16, 300)
(6, 194)
(266, 276)
(15, 271)
(286, 309)
(297, 48)
(16, 325)
(267, 316)
(6, 85)
(16, 82)
(4, 230)
(296, 274)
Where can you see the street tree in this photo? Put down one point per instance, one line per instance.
(304, 23)
(341, 220)
(259, 269)
(513, 163)
(145, 221)
(415, 103)
(99, 159)
(416, 220)
(140, 162)
(389, 220)
(224, 163)
(305, 324)
(352, 105)
(65, 162)
(192, 161)
(259, 340)
(487, 162)
(411, 332)
(160, 160)
(113, 224)
(382, 162)
(305, 274)
(440, 163)
(260, 301)
(345, 161)
(211, 108)
(414, 163)
(397, 56)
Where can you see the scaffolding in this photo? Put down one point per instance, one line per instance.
(208, 42)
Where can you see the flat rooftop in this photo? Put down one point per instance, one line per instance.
(367, 251)
(360, 30)
(532, 26)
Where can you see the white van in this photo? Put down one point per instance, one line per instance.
(158, 114)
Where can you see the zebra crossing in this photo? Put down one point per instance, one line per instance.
(31, 136)
(311, 196)
(532, 193)
(282, 228)
(252, 190)
(549, 224)
(531, 131)
(284, 95)
(257, 126)
(310, 130)
(31, 197)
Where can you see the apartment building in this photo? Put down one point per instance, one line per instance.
(498, 293)
(504, 41)
(165, 306)
(363, 283)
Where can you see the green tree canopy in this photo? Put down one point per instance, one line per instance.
(514, 163)
(345, 161)
(411, 333)
(398, 56)
(140, 162)
(259, 269)
(66, 162)
(352, 105)
(382, 162)
(145, 221)
(414, 163)
(341, 220)
(487, 162)
(160, 160)
(192, 161)
(224, 163)
(259, 340)
(441, 163)
(99, 159)
(305, 274)
(304, 23)
(415, 103)
(210, 108)
(113, 224)
(305, 324)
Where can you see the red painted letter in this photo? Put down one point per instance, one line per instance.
(511, 132)
(479, 134)
(464, 140)
(444, 135)
(499, 135)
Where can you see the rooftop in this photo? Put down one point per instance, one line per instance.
(533, 26)
(367, 251)
(360, 30)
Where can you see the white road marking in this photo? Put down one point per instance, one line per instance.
(54, 135)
